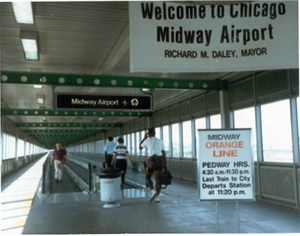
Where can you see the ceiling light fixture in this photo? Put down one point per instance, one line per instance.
(23, 12)
(147, 90)
(30, 44)
(40, 99)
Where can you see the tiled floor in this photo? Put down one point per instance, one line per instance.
(178, 212)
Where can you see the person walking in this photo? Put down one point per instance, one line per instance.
(156, 162)
(59, 158)
(109, 151)
(121, 157)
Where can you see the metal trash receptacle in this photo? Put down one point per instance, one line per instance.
(110, 187)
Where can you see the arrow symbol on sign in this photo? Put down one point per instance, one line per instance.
(134, 102)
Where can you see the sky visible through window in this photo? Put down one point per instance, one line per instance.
(245, 118)
(276, 132)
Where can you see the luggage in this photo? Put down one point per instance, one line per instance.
(165, 178)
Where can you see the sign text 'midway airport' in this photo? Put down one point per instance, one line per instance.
(103, 102)
(225, 169)
(229, 34)
(187, 37)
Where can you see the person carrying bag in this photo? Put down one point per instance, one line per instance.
(155, 163)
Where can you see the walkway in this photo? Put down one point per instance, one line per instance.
(178, 211)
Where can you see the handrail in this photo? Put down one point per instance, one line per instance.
(46, 178)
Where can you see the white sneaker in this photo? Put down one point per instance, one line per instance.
(157, 199)
(153, 195)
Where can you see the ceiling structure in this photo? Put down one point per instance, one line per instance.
(86, 44)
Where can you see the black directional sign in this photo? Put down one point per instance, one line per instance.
(107, 102)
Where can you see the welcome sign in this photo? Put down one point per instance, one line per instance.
(225, 165)
(217, 37)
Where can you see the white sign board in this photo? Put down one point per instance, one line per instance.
(217, 37)
(225, 165)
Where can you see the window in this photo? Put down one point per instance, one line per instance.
(157, 132)
(187, 139)
(27, 148)
(144, 150)
(199, 124)
(134, 144)
(9, 146)
(276, 132)
(166, 139)
(215, 122)
(138, 140)
(20, 149)
(100, 146)
(3, 146)
(128, 144)
(175, 140)
(85, 148)
(298, 116)
(126, 140)
(245, 118)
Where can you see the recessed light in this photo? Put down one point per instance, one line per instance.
(23, 12)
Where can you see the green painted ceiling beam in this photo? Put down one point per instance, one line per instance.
(60, 132)
(109, 81)
(67, 125)
(66, 137)
(67, 112)
(49, 141)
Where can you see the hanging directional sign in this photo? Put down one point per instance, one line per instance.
(103, 102)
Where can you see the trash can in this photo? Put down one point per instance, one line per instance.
(110, 187)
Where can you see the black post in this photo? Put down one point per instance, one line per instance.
(90, 177)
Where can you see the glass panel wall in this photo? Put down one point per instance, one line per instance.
(200, 123)
(215, 121)
(157, 132)
(129, 147)
(298, 116)
(138, 140)
(134, 144)
(10, 147)
(175, 140)
(276, 132)
(187, 139)
(144, 151)
(166, 140)
(245, 118)
(20, 148)
(27, 148)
